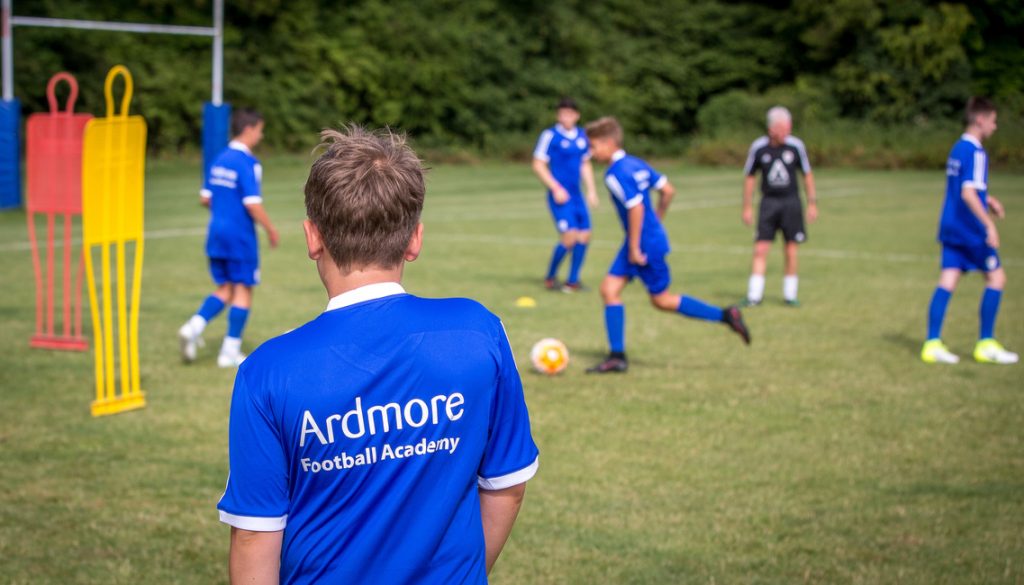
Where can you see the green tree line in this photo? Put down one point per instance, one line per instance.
(482, 77)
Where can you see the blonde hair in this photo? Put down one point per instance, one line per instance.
(606, 127)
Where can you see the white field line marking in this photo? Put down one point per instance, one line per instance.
(893, 257)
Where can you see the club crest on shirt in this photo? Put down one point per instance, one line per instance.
(766, 158)
(787, 157)
(565, 144)
(580, 143)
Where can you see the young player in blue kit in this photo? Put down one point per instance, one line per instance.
(387, 440)
(560, 158)
(630, 181)
(970, 240)
(232, 192)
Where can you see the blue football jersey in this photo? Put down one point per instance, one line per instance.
(366, 433)
(630, 180)
(564, 151)
(967, 166)
(233, 181)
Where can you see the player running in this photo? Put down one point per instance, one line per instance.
(559, 160)
(232, 192)
(779, 156)
(970, 240)
(630, 180)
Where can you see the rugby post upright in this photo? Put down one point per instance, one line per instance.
(216, 113)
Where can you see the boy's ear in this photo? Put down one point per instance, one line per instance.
(314, 242)
(412, 251)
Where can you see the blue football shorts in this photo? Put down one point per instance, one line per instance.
(966, 258)
(224, 270)
(571, 215)
(655, 275)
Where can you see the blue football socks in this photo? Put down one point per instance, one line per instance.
(210, 308)
(556, 259)
(698, 309)
(236, 321)
(989, 309)
(937, 311)
(615, 324)
(579, 251)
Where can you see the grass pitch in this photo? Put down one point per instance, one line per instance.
(825, 453)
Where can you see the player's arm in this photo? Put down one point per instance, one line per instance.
(995, 207)
(255, 557)
(812, 197)
(748, 199)
(204, 197)
(498, 511)
(259, 215)
(540, 168)
(973, 202)
(635, 221)
(665, 195)
(587, 172)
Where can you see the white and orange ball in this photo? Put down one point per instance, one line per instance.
(549, 356)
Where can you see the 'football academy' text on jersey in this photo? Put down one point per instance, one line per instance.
(367, 443)
(630, 180)
(233, 181)
(967, 166)
(778, 165)
(564, 151)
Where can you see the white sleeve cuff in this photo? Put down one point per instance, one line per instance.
(205, 193)
(661, 183)
(975, 186)
(508, 480)
(254, 523)
(251, 199)
(541, 157)
(636, 200)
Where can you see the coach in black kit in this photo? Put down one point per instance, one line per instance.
(778, 156)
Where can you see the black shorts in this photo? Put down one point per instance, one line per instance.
(781, 213)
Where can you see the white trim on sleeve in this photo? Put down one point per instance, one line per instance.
(661, 183)
(615, 187)
(251, 199)
(205, 193)
(254, 523)
(805, 163)
(979, 169)
(509, 479)
(636, 200)
(754, 146)
(541, 151)
(975, 186)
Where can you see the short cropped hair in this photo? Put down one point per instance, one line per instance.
(365, 194)
(244, 118)
(778, 114)
(567, 103)
(606, 127)
(977, 106)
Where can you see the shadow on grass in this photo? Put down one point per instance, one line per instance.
(911, 345)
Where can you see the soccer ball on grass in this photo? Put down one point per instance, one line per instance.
(549, 356)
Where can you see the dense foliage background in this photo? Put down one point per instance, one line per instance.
(871, 82)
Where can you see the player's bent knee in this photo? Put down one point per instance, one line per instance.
(996, 279)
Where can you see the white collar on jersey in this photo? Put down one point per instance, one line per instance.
(570, 134)
(971, 139)
(619, 155)
(365, 293)
(239, 146)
